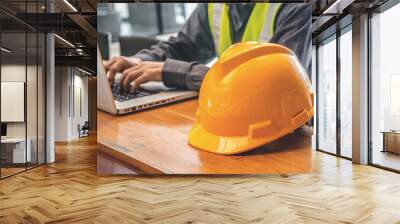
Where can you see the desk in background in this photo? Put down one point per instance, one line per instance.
(13, 150)
(391, 141)
(155, 142)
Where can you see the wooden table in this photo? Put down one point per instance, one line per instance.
(391, 141)
(155, 142)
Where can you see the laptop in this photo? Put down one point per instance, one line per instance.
(115, 100)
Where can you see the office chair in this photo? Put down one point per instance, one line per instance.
(130, 45)
(84, 130)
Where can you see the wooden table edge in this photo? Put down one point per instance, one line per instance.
(116, 152)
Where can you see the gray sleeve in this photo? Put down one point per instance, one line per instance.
(293, 30)
(182, 74)
(184, 53)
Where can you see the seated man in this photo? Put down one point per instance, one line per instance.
(210, 30)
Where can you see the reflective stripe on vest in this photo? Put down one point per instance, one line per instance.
(260, 26)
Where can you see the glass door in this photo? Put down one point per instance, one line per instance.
(385, 90)
(326, 96)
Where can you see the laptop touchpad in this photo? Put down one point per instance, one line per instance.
(155, 87)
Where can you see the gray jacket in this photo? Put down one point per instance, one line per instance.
(185, 54)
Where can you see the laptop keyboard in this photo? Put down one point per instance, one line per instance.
(121, 95)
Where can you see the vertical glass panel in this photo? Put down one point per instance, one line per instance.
(314, 87)
(13, 85)
(327, 97)
(32, 99)
(32, 88)
(41, 99)
(385, 84)
(346, 94)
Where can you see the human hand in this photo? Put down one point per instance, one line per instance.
(144, 72)
(118, 65)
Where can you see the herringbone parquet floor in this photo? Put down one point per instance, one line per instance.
(69, 191)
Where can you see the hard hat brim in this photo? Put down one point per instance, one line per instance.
(200, 138)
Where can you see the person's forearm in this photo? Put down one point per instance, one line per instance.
(183, 74)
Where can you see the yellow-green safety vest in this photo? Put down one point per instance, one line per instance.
(260, 26)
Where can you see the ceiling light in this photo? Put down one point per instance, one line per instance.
(65, 41)
(337, 7)
(70, 5)
(84, 71)
(80, 51)
(5, 50)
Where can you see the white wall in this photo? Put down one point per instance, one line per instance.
(61, 114)
(14, 73)
(81, 100)
(71, 94)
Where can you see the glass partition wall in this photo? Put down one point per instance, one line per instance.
(385, 90)
(334, 94)
(22, 77)
(13, 85)
(334, 126)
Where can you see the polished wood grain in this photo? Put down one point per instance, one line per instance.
(8, 171)
(155, 142)
(112, 166)
(70, 191)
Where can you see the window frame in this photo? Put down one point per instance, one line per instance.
(340, 30)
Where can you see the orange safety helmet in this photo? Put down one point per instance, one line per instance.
(254, 94)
